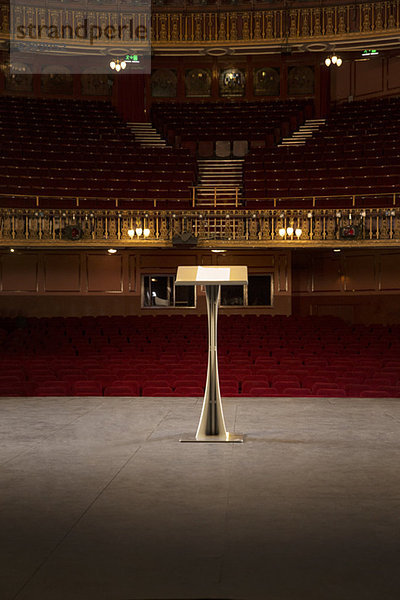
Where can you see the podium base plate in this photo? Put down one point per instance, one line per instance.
(232, 438)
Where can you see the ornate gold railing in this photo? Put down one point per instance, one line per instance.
(236, 228)
(210, 26)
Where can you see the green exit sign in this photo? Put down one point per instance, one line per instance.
(370, 53)
(132, 58)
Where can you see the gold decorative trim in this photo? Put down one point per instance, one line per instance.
(210, 27)
(225, 229)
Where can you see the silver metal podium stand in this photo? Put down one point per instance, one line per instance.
(211, 426)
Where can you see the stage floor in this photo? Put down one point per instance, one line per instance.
(100, 501)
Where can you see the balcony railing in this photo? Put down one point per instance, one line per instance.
(235, 228)
(217, 200)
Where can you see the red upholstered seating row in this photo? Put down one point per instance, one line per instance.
(82, 149)
(166, 356)
(357, 151)
(260, 122)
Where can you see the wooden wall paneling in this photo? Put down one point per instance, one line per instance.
(104, 273)
(261, 260)
(170, 260)
(341, 81)
(20, 272)
(360, 273)
(301, 273)
(62, 272)
(343, 311)
(389, 271)
(393, 73)
(282, 275)
(325, 274)
(369, 77)
(125, 272)
(132, 274)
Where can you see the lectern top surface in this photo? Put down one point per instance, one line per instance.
(211, 275)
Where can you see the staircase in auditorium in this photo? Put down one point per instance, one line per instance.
(146, 135)
(305, 132)
(220, 183)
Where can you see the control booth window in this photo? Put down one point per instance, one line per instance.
(258, 292)
(159, 291)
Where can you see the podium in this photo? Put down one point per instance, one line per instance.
(211, 426)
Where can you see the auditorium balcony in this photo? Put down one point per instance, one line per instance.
(69, 153)
(353, 160)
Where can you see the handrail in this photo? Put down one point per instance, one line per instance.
(215, 190)
(393, 199)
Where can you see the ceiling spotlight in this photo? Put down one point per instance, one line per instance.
(111, 251)
(12, 250)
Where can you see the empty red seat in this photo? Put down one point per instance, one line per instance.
(263, 391)
(229, 390)
(185, 390)
(296, 392)
(374, 393)
(87, 388)
(153, 390)
(120, 389)
(52, 388)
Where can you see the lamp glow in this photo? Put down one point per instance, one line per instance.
(339, 62)
(289, 230)
(139, 231)
(112, 64)
(334, 59)
(328, 62)
(123, 65)
(131, 233)
(298, 232)
(117, 67)
(146, 232)
(282, 232)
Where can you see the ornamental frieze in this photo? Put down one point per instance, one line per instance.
(206, 25)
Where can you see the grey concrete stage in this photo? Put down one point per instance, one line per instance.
(99, 500)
